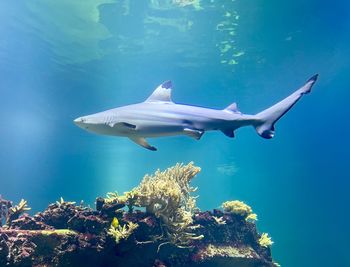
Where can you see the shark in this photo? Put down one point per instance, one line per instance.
(159, 116)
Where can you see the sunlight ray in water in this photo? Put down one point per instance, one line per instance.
(72, 28)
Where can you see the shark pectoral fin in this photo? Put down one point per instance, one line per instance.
(196, 134)
(142, 142)
(228, 132)
(123, 124)
(128, 125)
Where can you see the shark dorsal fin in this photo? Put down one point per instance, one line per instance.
(162, 93)
(233, 108)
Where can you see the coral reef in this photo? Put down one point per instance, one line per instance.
(168, 230)
(265, 240)
(167, 195)
(10, 212)
(240, 208)
(122, 232)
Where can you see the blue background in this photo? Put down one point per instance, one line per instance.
(63, 59)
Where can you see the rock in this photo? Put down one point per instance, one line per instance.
(66, 235)
(26, 222)
(87, 223)
(229, 255)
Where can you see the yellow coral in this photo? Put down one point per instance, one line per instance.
(265, 240)
(127, 199)
(63, 202)
(14, 212)
(239, 208)
(21, 207)
(219, 220)
(122, 232)
(111, 197)
(252, 217)
(167, 195)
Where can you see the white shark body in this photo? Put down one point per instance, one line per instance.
(159, 116)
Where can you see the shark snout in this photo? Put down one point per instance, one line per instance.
(81, 122)
(78, 120)
(89, 122)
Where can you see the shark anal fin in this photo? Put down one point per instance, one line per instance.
(228, 132)
(142, 142)
(196, 134)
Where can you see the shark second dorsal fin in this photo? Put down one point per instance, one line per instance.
(233, 108)
(162, 93)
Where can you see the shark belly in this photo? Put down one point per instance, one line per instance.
(160, 128)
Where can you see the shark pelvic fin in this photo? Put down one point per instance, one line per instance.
(196, 134)
(142, 142)
(162, 93)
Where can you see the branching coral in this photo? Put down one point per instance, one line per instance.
(168, 190)
(128, 199)
(265, 240)
(239, 208)
(21, 207)
(62, 202)
(8, 212)
(245, 211)
(122, 232)
(219, 220)
(166, 194)
(111, 197)
(252, 217)
(16, 211)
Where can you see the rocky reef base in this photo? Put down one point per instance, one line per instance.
(155, 224)
(69, 235)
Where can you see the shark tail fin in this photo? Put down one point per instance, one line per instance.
(265, 120)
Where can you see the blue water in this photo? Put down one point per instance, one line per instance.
(63, 59)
